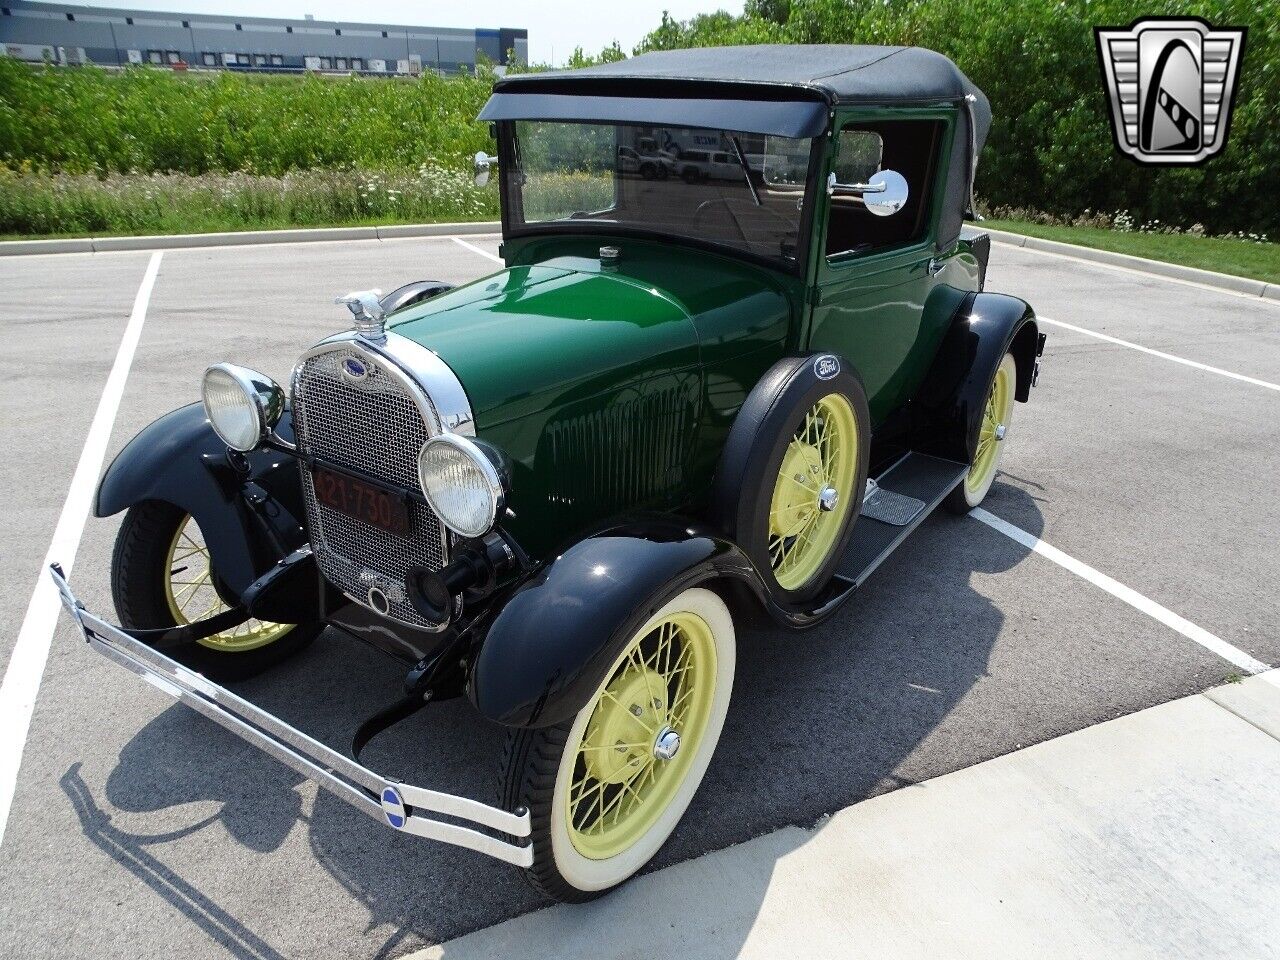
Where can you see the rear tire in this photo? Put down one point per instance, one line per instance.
(997, 414)
(154, 570)
(601, 812)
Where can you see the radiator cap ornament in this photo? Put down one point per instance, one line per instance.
(366, 307)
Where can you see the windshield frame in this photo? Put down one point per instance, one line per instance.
(511, 204)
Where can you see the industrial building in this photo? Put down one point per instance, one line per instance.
(64, 34)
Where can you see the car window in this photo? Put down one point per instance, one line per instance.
(911, 147)
(859, 156)
(571, 175)
(785, 162)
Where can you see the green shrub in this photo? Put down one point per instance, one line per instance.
(1051, 145)
(149, 120)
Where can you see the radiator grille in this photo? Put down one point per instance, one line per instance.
(371, 425)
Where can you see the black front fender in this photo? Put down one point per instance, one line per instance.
(552, 644)
(948, 408)
(250, 519)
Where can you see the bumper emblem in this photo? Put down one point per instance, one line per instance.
(393, 807)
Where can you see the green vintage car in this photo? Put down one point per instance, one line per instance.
(740, 349)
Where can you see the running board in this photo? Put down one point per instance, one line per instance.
(916, 476)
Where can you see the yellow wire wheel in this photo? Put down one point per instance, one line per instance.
(813, 492)
(191, 596)
(992, 434)
(635, 754)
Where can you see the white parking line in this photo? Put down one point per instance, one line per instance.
(1162, 355)
(474, 249)
(31, 650)
(1231, 654)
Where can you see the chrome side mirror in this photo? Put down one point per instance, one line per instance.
(884, 194)
(482, 164)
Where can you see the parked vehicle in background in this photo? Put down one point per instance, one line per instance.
(549, 490)
(649, 166)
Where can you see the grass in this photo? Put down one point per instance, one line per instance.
(43, 205)
(67, 205)
(216, 226)
(1243, 258)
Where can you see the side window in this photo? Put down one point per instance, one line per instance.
(860, 155)
(910, 147)
(785, 162)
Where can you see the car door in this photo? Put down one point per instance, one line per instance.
(874, 273)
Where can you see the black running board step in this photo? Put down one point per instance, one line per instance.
(917, 475)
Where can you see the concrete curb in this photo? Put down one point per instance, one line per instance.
(13, 248)
(1210, 278)
(1124, 839)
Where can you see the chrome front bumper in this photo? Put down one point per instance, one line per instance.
(400, 806)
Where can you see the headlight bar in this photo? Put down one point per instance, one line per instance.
(391, 802)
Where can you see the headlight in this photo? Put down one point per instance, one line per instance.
(241, 404)
(461, 484)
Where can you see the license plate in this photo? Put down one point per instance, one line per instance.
(363, 500)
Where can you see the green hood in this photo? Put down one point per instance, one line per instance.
(565, 328)
(528, 338)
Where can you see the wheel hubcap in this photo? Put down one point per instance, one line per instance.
(811, 494)
(668, 742)
(642, 736)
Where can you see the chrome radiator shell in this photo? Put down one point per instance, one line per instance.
(366, 407)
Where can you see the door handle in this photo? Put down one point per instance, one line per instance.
(935, 266)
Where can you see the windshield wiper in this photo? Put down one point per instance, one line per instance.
(746, 171)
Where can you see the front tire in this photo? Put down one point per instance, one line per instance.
(161, 576)
(792, 474)
(606, 789)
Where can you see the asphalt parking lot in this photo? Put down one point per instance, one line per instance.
(140, 830)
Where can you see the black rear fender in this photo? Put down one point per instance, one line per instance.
(549, 649)
(947, 410)
(250, 519)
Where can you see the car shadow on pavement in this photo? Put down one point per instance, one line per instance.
(819, 720)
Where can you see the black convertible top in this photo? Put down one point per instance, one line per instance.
(839, 73)
(776, 89)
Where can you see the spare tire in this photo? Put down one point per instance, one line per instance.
(791, 476)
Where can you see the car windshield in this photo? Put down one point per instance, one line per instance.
(738, 190)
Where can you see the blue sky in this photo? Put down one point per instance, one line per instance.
(555, 26)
